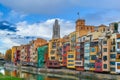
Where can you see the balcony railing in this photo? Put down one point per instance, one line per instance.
(112, 51)
(118, 60)
(92, 44)
(113, 43)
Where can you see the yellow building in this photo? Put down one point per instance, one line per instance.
(71, 54)
(94, 48)
(55, 52)
(93, 52)
(14, 49)
(71, 59)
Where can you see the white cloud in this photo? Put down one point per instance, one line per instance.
(42, 29)
(14, 16)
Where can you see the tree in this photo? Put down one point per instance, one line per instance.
(8, 55)
(1, 55)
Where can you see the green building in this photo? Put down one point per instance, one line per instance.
(41, 55)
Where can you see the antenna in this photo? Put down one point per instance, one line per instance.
(78, 15)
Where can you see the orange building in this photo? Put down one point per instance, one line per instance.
(82, 29)
(33, 50)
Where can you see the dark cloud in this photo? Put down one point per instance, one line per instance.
(5, 25)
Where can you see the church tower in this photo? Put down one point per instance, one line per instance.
(56, 30)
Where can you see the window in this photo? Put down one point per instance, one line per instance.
(112, 69)
(78, 50)
(98, 67)
(64, 52)
(92, 65)
(70, 56)
(104, 42)
(118, 64)
(78, 57)
(118, 56)
(78, 63)
(78, 45)
(60, 58)
(55, 63)
(92, 49)
(70, 64)
(112, 63)
(86, 57)
(118, 45)
(113, 41)
(86, 65)
(83, 38)
(104, 58)
(52, 58)
(87, 51)
(52, 52)
(53, 45)
(99, 60)
(113, 48)
(105, 49)
(105, 66)
(112, 56)
(93, 57)
(103, 29)
(70, 61)
(50, 63)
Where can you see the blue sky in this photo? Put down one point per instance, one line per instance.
(30, 19)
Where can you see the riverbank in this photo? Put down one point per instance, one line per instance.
(70, 72)
(67, 72)
(3, 77)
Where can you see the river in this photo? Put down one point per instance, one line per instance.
(42, 76)
(46, 76)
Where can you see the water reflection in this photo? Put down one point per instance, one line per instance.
(28, 76)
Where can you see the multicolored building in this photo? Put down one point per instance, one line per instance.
(88, 48)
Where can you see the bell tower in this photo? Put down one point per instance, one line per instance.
(56, 30)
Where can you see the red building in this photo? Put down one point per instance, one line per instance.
(98, 65)
(28, 53)
(53, 64)
(17, 57)
(66, 48)
(79, 62)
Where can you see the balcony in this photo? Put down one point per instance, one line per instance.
(113, 43)
(118, 60)
(92, 44)
(112, 51)
(108, 34)
(78, 63)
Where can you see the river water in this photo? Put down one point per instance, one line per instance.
(42, 76)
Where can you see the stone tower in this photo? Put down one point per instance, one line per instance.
(56, 30)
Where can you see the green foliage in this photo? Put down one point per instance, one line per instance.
(2, 77)
(8, 55)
